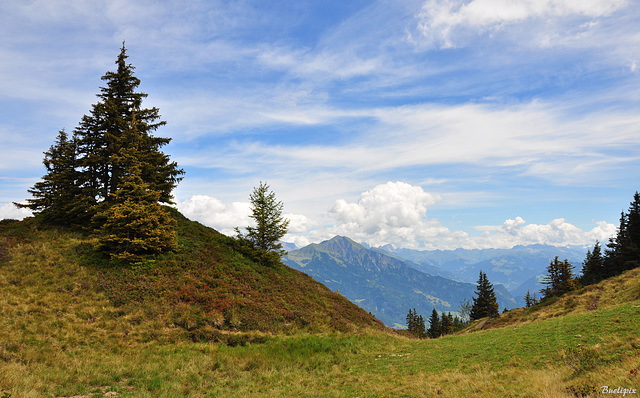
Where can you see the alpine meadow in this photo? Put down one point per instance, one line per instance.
(332, 202)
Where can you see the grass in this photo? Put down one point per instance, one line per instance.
(64, 334)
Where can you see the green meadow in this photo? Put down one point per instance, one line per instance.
(65, 331)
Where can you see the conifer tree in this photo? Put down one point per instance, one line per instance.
(560, 278)
(57, 198)
(446, 324)
(135, 224)
(593, 268)
(113, 172)
(270, 227)
(485, 304)
(415, 323)
(528, 301)
(434, 330)
(623, 251)
(107, 130)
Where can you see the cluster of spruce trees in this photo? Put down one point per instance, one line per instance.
(111, 175)
(622, 252)
(438, 325)
(484, 305)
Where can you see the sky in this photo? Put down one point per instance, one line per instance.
(436, 124)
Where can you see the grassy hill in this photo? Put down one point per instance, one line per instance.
(75, 325)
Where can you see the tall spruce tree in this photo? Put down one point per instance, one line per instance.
(623, 251)
(107, 130)
(113, 172)
(485, 304)
(593, 267)
(434, 330)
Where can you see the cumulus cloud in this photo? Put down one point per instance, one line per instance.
(10, 211)
(558, 232)
(225, 218)
(394, 204)
(441, 21)
(396, 213)
(215, 214)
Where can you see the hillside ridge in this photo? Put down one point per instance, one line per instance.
(204, 290)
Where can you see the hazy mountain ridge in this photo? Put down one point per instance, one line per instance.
(382, 284)
(519, 269)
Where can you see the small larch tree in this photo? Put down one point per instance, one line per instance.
(415, 324)
(270, 226)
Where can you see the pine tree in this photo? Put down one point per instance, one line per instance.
(623, 251)
(485, 304)
(446, 324)
(560, 278)
(57, 198)
(415, 324)
(411, 320)
(434, 330)
(593, 267)
(136, 224)
(107, 130)
(270, 227)
(86, 172)
(528, 301)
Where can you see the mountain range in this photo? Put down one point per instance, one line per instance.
(519, 269)
(388, 282)
(381, 283)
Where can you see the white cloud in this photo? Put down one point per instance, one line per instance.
(536, 138)
(392, 205)
(10, 211)
(396, 213)
(225, 218)
(215, 214)
(558, 233)
(442, 22)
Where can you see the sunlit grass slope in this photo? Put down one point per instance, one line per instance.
(74, 325)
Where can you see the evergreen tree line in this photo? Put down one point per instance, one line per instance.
(438, 325)
(622, 254)
(110, 175)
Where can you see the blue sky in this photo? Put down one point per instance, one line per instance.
(425, 124)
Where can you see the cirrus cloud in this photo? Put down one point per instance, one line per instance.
(442, 22)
